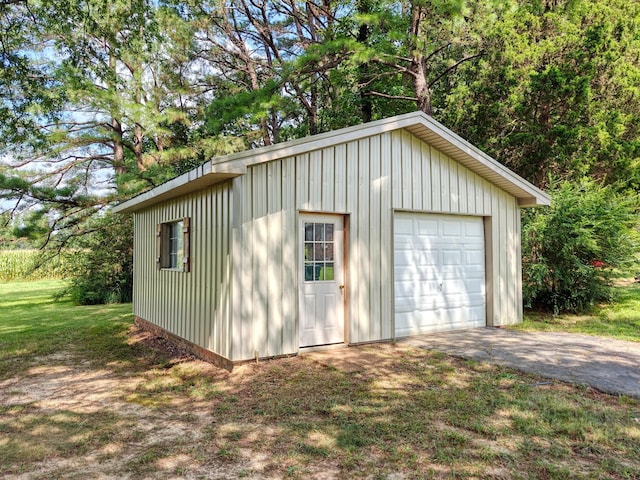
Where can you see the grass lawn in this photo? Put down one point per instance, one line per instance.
(33, 325)
(619, 320)
(85, 395)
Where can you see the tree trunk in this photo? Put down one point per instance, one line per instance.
(118, 148)
(138, 138)
(366, 106)
(417, 65)
(420, 86)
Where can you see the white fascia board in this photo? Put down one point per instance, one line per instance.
(200, 177)
(235, 164)
(485, 160)
(461, 148)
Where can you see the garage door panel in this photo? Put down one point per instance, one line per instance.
(439, 273)
(452, 257)
(407, 323)
(474, 258)
(413, 243)
(415, 259)
(408, 282)
(415, 293)
(426, 228)
(456, 286)
(474, 230)
(474, 271)
(454, 299)
(475, 287)
(426, 258)
(474, 279)
(403, 226)
(451, 228)
(403, 258)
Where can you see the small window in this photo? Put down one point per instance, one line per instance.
(173, 245)
(318, 252)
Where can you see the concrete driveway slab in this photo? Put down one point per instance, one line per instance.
(612, 366)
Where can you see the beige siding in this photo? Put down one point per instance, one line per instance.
(365, 180)
(253, 219)
(193, 305)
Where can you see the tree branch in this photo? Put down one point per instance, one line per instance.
(453, 67)
(392, 97)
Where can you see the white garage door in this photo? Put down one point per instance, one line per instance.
(439, 275)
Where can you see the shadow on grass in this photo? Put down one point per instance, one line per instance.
(368, 412)
(33, 436)
(389, 411)
(415, 412)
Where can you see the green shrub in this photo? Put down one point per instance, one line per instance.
(573, 249)
(102, 270)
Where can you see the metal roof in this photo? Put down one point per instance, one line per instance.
(418, 123)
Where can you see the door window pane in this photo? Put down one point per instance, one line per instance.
(308, 251)
(319, 252)
(328, 252)
(328, 271)
(308, 232)
(328, 232)
(308, 272)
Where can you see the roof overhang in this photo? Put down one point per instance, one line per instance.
(196, 179)
(419, 124)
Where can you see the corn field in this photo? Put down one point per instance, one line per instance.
(26, 265)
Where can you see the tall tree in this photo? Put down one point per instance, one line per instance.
(252, 50)
(556, 92)
(304, 67)
(96, 119)
(415, 45)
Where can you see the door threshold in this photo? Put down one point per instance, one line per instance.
(329, 346)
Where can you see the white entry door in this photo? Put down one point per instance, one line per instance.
(321, 279)
(439, 273)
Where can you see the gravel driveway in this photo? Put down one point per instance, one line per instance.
(612, 366)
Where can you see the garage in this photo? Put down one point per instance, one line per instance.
(439, 273)
(391, 228)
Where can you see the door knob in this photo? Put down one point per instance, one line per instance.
(341, 287)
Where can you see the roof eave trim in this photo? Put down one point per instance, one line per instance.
(236, 164)
(534, 193)
(539, 201)
(196, 179)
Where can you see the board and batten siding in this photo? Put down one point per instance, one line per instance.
(194, 305)
(366, 180)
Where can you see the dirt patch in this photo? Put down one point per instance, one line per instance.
(134, 440)
(376, 411)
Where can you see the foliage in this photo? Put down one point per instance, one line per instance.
(573, 250)
(103, 268)
(555, 92)
(100, 100)
(118, 116)
(27, 230)
(31, 265)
